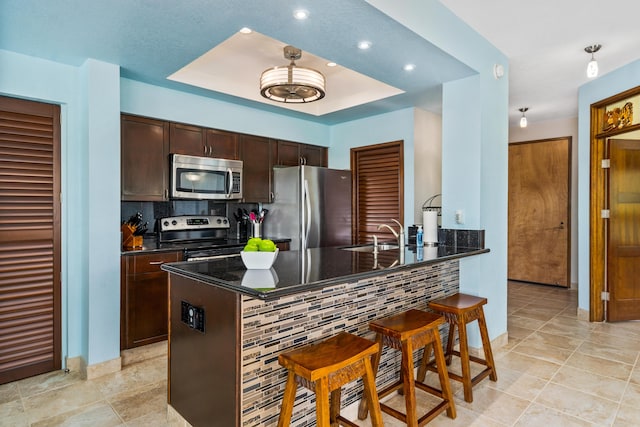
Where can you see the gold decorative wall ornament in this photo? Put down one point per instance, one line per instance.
(618, 118)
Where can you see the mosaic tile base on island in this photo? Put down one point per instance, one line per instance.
(269, 328)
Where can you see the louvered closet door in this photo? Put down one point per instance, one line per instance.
(378, 174)
(29, 238)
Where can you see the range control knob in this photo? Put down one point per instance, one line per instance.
(224, 221)
(166, 223)
(219, 221)
(174, 222)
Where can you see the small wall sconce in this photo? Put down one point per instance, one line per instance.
(592, 66)
(523, 119)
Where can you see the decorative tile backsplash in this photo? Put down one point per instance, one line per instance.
(269, 328)
(461, 238)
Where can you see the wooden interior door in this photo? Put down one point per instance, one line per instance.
(30, 340)
(623, 242)
(540, 212)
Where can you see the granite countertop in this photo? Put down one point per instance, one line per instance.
(300, 271)
(152, 245)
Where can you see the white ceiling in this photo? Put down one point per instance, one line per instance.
(235, 65)
(545, 40)
(151, 40)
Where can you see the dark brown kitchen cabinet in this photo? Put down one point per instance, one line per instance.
(294, 154)
(144, 298)
(203, 142)
(256, 154)
(313, 155)
(144, 159)
(187, 139)
(223, 145)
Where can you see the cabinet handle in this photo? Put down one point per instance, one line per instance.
(156, 262)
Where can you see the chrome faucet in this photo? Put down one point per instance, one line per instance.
(399, 235)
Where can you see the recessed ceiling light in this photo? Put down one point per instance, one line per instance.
(246, 30)
(300, 14)
(409, 67)
(331, 64)
(364, 45)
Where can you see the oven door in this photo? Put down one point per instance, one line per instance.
(205, 178)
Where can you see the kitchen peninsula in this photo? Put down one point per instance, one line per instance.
(228, 324)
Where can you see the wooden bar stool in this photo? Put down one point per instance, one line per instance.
(405, 332)
(324, 368)
(460, 309)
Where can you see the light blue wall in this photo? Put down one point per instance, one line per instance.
(394, 126)
(90, 155)
(32, 78)
(603, 87)
(102, 125)
(152, 101)
(474, 146)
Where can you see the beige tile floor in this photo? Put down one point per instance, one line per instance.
(555, 371)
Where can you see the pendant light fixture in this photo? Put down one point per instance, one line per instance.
(290, 83)
(523, 119)
(592, 66)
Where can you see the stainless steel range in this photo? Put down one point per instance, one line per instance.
(203, 236)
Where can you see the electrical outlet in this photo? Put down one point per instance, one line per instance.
(459, 217)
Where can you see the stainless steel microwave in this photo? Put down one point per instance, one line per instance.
(205, 178)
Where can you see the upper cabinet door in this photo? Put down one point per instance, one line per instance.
(313, 155)
(186, 139)
(288, 153)
(223, 145)
(256, 169)
(294, 154)
(144, 158)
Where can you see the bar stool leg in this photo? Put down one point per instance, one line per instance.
(408, 380)
(334, 409)
(363, 407)
(464, 361)
(287, 402)
(371, 394)
(422, 370)
(452, 332)
(486, 346)
(445, 386)
(322, 402)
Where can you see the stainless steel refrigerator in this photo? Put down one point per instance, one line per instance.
(312, 206)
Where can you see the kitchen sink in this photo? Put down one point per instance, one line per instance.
(369, 248)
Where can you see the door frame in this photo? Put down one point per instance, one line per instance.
(598, 200)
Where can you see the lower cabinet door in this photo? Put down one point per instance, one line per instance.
(146, 309)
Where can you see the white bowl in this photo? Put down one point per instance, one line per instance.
(259, 260)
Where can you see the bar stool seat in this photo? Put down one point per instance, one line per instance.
(407, 331)
(459, 310)
(324, 368)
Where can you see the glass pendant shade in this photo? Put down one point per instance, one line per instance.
(523, 122)
(592, 69)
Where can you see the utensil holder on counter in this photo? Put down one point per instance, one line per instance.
(129, 240)
(256, 229)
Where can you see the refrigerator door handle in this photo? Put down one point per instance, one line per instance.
(307, 218)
